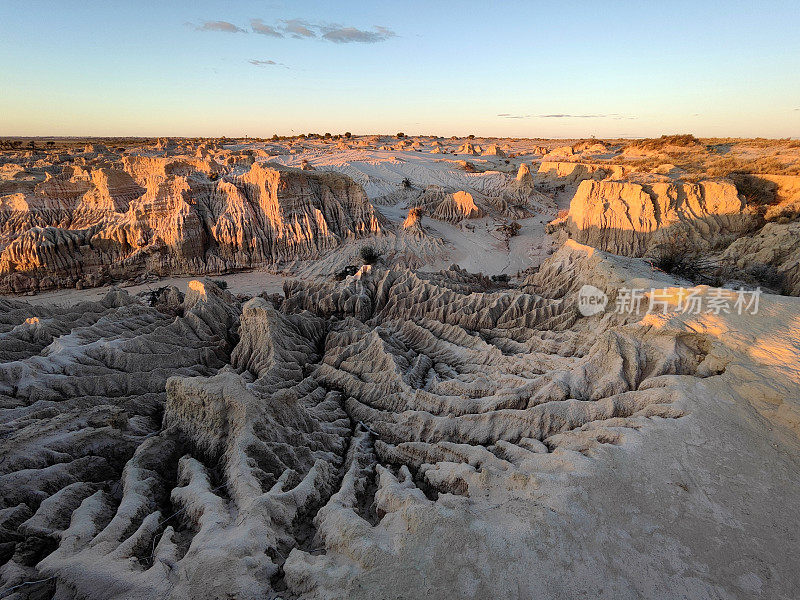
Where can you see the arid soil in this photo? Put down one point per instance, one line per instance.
(358, 368)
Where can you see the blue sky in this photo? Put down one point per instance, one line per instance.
(526, 69)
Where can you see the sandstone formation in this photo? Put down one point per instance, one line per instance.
(572, 173)
(776, 245)
(165, 216)
(447, 206)
(633, 219)
(469, 148)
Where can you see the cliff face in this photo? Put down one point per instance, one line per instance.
(630, 218)
(172, 216)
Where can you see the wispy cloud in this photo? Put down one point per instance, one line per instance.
(223, 26)
(263, 29)
(345, 35)
(301, 29)
(265, 63)
(297, 28)
(566, 116)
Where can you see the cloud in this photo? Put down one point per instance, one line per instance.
(566, 116)
(266, 63)
(345, 35)
(262, 28)
(298, 29)
(571, 116)
(223, 26)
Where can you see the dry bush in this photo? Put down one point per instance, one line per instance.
(685, 140)
(674, 256)
(511, 229)
(725, 167)
(369, 255)
(757, 192)
(768, 276)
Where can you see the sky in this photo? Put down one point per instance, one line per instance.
(513, 68)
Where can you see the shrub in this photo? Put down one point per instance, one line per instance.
(406, 182)
(767, 275)
(347, 271)
(511, 229)
(756, 191)
(400, 135)
(369, 255)
(685, 140)
(348, 135)
(672, 257)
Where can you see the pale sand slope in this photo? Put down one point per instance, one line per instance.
(380, 172)
(473, 244)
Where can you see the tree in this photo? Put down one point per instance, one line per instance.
(471, 136)
(400, 135)
(348, 135)
(327, 136)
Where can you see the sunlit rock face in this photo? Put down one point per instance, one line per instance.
(167, 216)
(446, 205)
(630, 218)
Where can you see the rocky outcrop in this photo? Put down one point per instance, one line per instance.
(772, 253)
(494, 150)
(447, 206)
(572, 173)
(168, 216)
(413, 221)
(469, 148)
(633, 219)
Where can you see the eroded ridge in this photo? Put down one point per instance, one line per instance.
(111, 221)
(345, 409)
